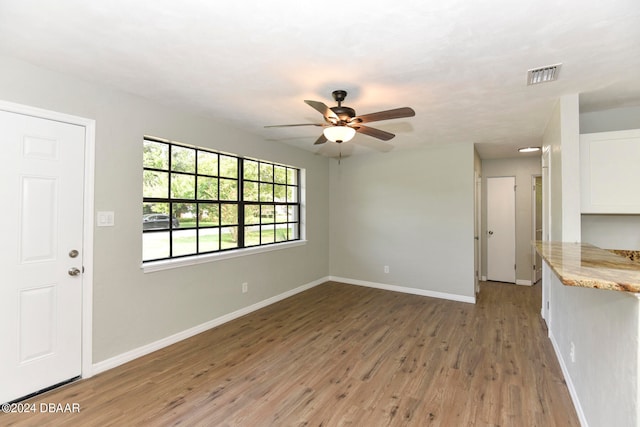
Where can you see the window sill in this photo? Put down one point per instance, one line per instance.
(151, 266)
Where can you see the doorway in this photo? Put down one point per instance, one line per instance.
(536, 225)
(501, 229)
(476, 229)
(47, 227)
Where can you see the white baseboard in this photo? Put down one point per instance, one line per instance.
(523, 282)
(483, 278)
(403, 289)
(567, 379)
(172, 339)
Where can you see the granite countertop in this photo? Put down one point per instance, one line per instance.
(585, 265)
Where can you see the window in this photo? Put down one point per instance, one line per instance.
(198, 201)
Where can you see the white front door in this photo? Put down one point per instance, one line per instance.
(501, 229)
(41, 224)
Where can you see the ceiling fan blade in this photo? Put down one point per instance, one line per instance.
(300, 124)
(396, 113)
(321, 140)
(323, 109)
(376, 133)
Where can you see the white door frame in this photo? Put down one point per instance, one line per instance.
(88, 214)
(545, 310)
(477, 229)
(534, 220)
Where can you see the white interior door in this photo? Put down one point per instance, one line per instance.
(41, 222)
(501, 229)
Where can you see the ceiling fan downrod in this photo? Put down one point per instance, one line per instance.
(345, 114)
(339, 96)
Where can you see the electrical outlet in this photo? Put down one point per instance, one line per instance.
(572, 352)
(245, 287)
(386, 269)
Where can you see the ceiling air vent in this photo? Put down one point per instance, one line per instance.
(543, 74)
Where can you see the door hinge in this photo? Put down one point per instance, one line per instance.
(514, 187)
(534, 267)
(514, 266)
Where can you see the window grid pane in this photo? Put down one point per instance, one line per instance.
(197, 201)
(156, 155)
(183, 159)
(207, 188)
(207, 163)
(209, 240)
(155, 184)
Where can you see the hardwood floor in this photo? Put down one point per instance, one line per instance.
(340, 355)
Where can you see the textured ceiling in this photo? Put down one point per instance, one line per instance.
(461, 65)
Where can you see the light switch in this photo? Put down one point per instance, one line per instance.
(106, 218)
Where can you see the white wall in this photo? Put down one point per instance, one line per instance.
(552, 143)
(132, 309)
(563, 139)
(610, 120)
(522, 169)
(611, 231)
(602, 325)
(410, 210)
(570, 158)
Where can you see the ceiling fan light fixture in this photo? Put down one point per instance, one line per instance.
(339, 133)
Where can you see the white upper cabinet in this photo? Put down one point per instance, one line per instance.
(610, 172)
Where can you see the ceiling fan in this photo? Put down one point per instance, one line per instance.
(342, 123)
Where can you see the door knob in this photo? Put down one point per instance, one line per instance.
(73, 271)
(490, 233)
